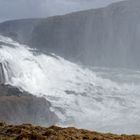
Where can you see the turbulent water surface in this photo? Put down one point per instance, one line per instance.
(100, 99)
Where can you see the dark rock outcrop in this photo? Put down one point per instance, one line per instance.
(21, 107)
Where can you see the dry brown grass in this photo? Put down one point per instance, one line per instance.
(30, 132)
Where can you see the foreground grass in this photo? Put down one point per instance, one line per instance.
(30, 132)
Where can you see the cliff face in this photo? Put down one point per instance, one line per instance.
(104, 37)
(21, 107)
(20, 30)
(107, 36)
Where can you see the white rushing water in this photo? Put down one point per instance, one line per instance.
(97, 99)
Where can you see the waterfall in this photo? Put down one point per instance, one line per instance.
(101, 99)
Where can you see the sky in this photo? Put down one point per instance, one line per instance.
(17, 9)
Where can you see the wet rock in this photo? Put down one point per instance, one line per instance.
(21, 107)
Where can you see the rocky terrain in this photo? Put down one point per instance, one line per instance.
(21, 107)
(30, 132)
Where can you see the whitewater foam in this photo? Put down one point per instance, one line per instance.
(79, 96)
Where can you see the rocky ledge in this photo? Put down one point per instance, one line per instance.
(21, 107)
(30, 132)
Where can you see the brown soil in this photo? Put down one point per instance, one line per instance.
(30, 132)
